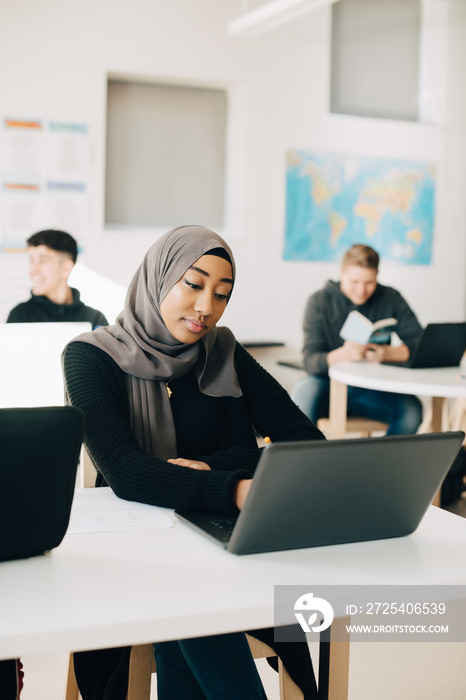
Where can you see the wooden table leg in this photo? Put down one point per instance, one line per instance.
(334, 661)
(437, 412)
(436, 427)
(337, 410)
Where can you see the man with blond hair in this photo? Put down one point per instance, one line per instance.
(325, 313)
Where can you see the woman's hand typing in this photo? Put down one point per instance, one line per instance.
(241, 492)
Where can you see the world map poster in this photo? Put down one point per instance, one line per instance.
(334, 201)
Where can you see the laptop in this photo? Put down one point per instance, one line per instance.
(39, 453)
(312, 493)
(440, 345)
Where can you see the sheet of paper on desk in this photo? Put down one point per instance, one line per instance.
(99, 510)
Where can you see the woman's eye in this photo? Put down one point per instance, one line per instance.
(222, 297)
(192, 285)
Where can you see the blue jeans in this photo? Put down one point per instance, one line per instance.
(207, 668)
(402, 412)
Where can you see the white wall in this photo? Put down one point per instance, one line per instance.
(54, 59)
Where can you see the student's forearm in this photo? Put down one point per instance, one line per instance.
(387, 353)
(397, 354)
(348, 352)
(336, 355)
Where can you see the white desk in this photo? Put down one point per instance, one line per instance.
(114, 589)
(440, 384)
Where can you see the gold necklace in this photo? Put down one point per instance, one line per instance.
(169, 391)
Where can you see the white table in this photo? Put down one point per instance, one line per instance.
(119, 588)
(440, 384)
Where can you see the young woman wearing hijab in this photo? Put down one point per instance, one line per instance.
(171, 405)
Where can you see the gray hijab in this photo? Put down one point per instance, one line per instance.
(150, 356)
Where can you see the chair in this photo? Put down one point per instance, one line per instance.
(457, 417)
(142, 666)
(364, 426)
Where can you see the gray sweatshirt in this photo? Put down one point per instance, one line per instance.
(327, 309)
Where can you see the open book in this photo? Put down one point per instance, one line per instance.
(359, 329)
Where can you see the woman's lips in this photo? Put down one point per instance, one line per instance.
(195, 326)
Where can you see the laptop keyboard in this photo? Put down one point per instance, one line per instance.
(222, 528)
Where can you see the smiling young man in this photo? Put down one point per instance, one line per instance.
(325, 313)
(52, 255)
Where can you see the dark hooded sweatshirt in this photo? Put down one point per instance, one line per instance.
(39, 309)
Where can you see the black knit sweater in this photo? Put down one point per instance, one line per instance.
(216, 430)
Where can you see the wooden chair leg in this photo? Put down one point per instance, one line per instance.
(141, 665)
(334, 661)
(72, 691)
(457, 417)
(288, 688)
